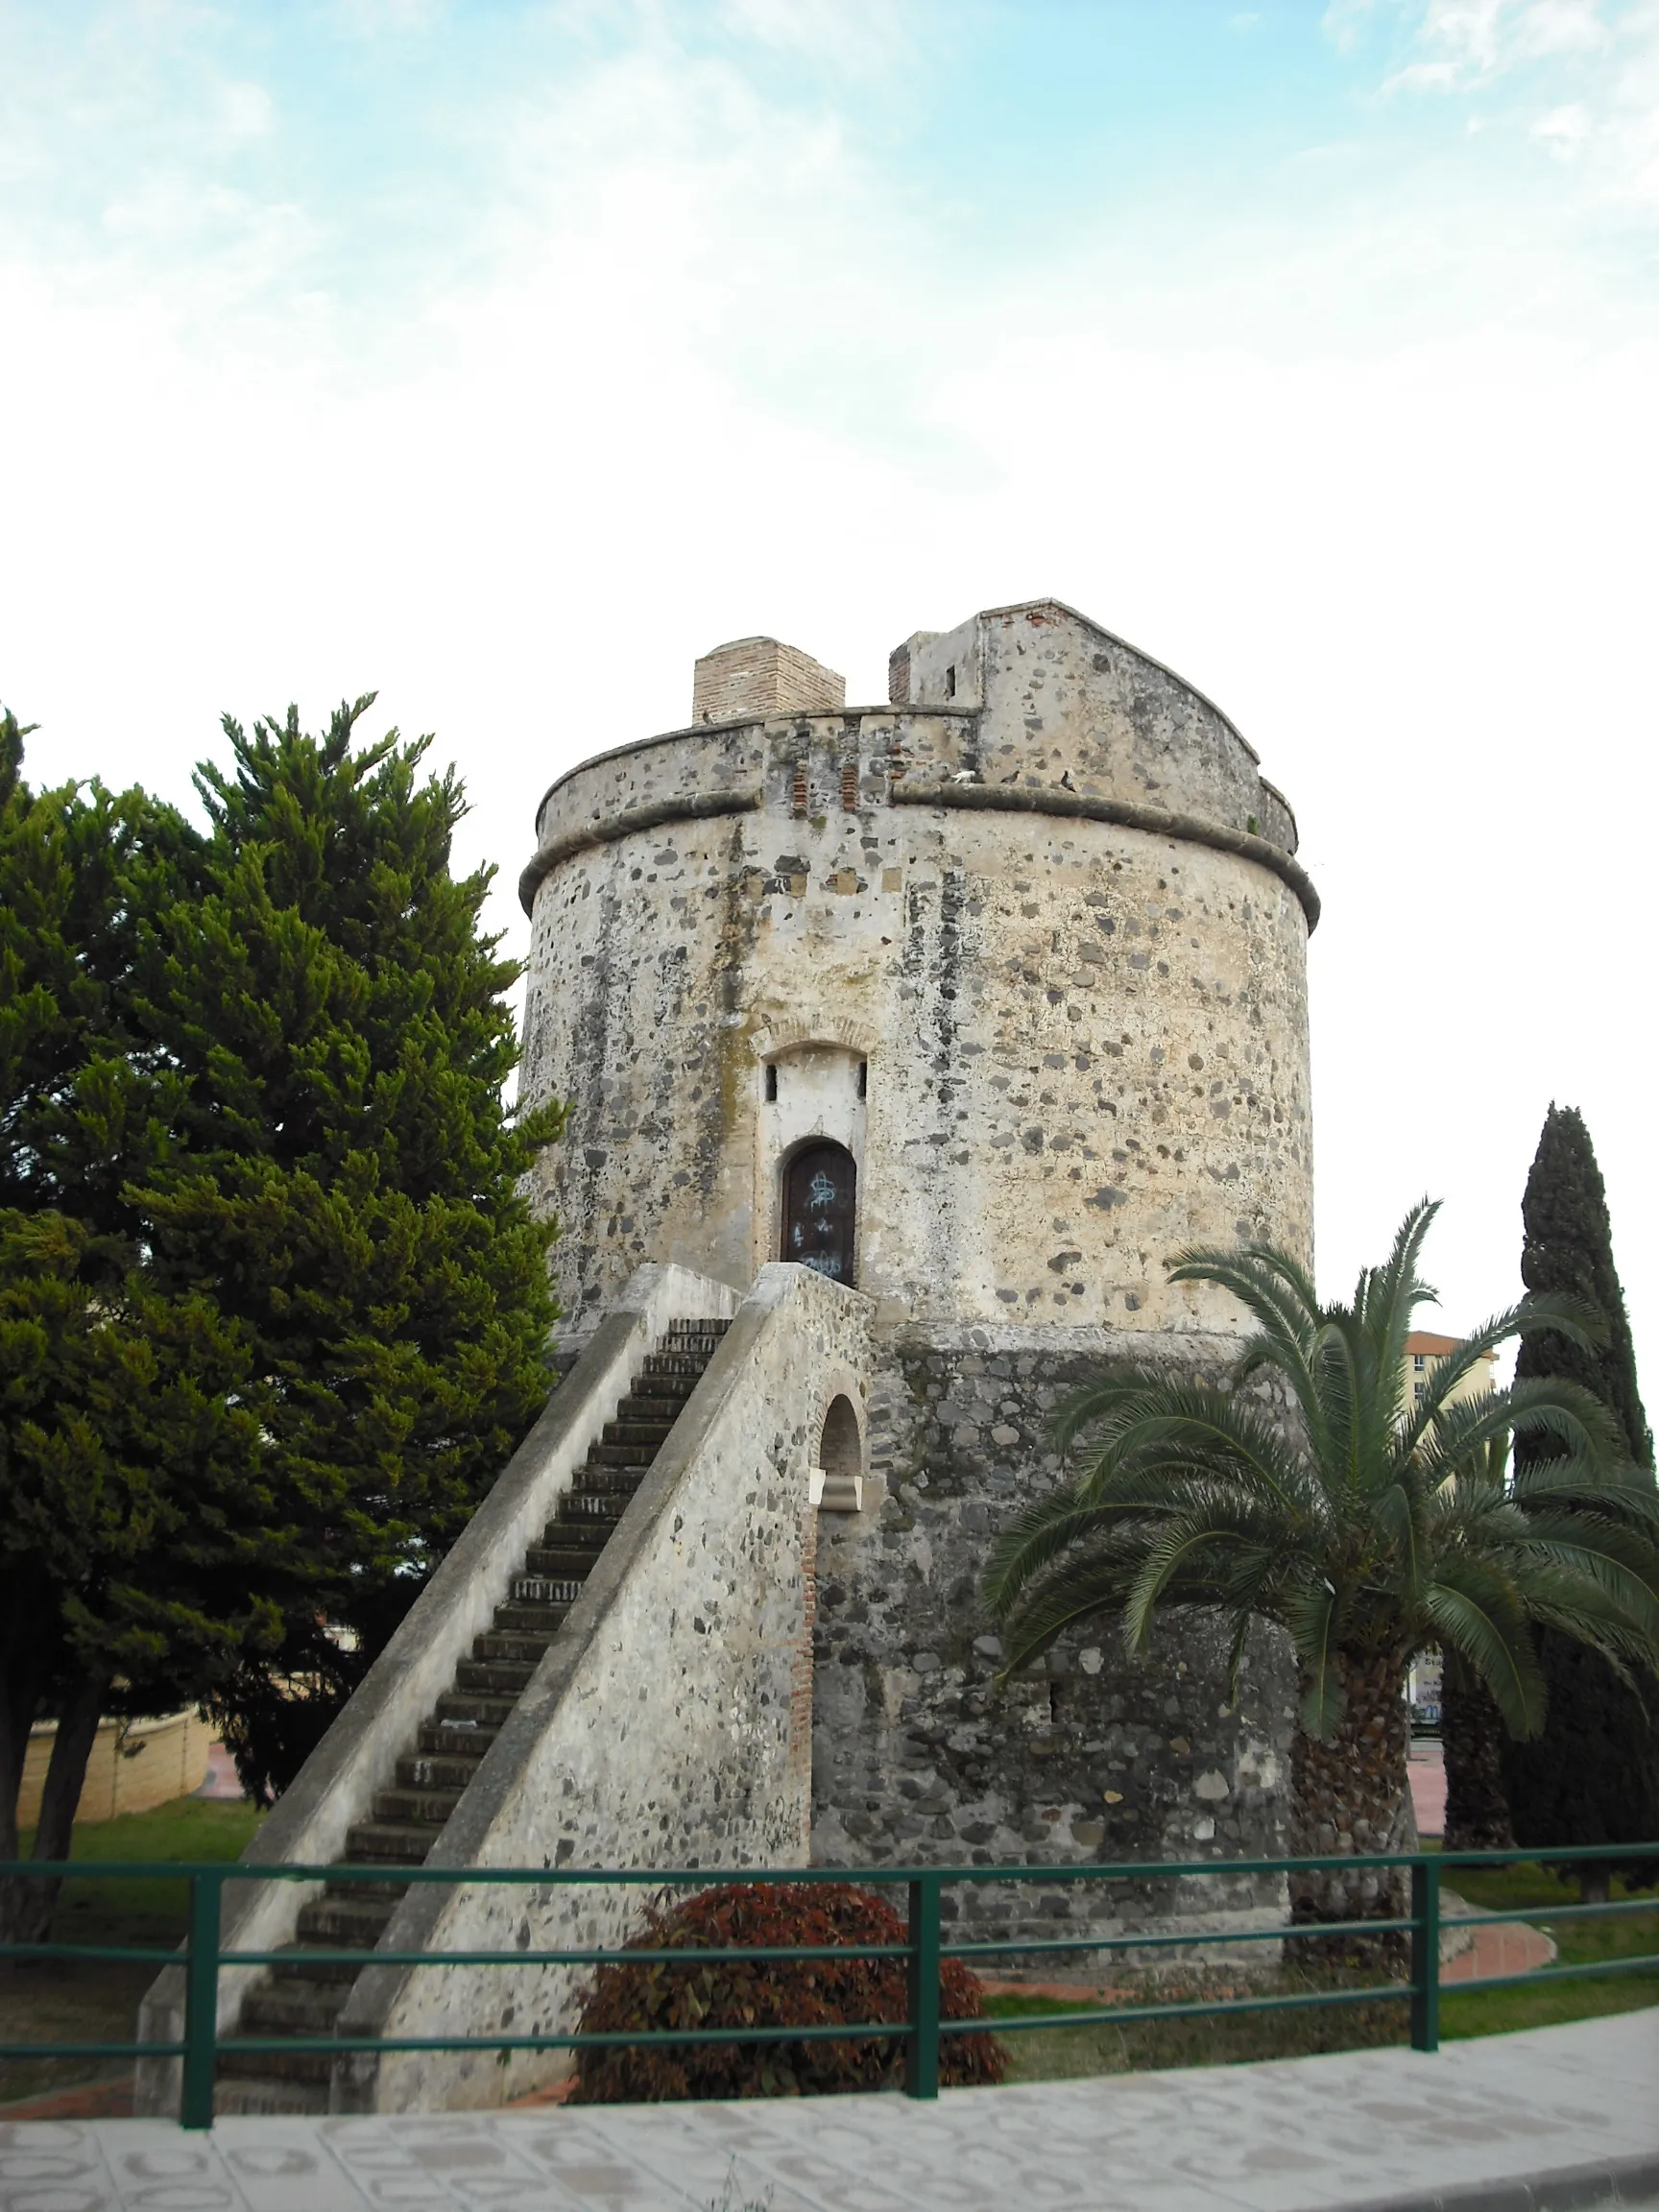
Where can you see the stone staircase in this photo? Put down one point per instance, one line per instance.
(302, 1997)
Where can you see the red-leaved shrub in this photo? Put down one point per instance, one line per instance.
(624, 1998)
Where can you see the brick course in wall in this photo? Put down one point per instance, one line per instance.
(763, 676)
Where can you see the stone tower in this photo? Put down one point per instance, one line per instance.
(985, 1001)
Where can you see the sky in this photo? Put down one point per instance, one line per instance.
(502, 358)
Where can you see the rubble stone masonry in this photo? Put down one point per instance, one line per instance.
(1029, 940)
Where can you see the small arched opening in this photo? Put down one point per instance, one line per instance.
(820, 1209)
(838, 1478)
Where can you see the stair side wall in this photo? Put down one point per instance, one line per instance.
(359, 1754)
(664, 1727)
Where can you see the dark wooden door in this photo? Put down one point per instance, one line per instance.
(818, 1209)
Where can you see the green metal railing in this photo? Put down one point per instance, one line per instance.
(201, 2047)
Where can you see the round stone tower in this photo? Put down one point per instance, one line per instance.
(985, 1001)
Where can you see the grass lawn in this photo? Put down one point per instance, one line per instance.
(1062, 2054)
(1043, 2055)
(1580, 1942)
(75, 2001)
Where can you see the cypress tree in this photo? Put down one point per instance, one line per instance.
(1593, 1775)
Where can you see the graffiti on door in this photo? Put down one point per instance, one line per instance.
(818, 1209)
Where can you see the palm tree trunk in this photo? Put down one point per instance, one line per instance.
(1476, 1810)
(1352, 1798)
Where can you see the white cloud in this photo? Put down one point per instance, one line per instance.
(1474, 39)
(1564, 130)
(244, 111)
(1582, 80)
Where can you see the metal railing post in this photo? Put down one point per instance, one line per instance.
(922, 2044)
(201, 2000)
(1426, 1955)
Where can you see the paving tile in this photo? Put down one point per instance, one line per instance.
(286, 2175)
(1328, 2134)
(49, 2166)
(164, 2169)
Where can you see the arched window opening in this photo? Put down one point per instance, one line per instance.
(820, 1195)
(837, 1479)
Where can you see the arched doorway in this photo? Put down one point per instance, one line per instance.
(837, 1479)
(820, 1190)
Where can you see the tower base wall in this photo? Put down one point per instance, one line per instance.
(922, 1756)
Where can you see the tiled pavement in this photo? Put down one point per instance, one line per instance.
(1427, 1772)
(1356, 2129)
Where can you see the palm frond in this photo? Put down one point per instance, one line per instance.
(1622, 1489)
(1391, 1295)
(1189, 1546)
(1094, 1403)
(1175, 1422)
(1311, 1617)
(1090, 1588)
(1035, 1535)
(1543, 1406)
(1571, 1317)
(1268, 1283)
(1479, 1616)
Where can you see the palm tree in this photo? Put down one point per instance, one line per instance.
(1306, 1492)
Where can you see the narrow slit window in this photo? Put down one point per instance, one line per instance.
(950, 682)
(771, 1082)
(863, 1078)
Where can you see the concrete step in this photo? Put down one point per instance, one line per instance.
(302, 1965)
(355, 1922)
(254, 2093)
(538, 1588)
(435, 1771)
(590, 1508)
(663, 1368)
(639, 1455)
(602, 1481)
(295, 2070)
(653, 1407)
(469, 1719)
(564, 1554)
(387, 1892)
(494, 1646)
(393, 1843)
(695, 1335)
(422, 1808)
(529, 1615)
(571, 1532)
(650, 1433)
(669, 1391)
(308, 2007)
(495, 1677)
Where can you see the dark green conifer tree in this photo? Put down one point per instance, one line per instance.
(273, 1313)
(129, 1481)
(1593, 1775)
(344, 1186)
